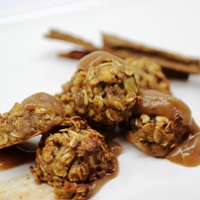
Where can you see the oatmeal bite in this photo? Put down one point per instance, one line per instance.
(34, 115)
(149, 74)
(159, 123)
(103, 90)
(71, 157)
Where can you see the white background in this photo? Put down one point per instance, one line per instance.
(29, 64)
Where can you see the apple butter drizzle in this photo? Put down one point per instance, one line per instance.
(156, 103)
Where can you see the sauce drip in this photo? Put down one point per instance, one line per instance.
(42, 99)
(115, 147)
(12, 157)
(153, 102)
(97, 185)
(187, 153)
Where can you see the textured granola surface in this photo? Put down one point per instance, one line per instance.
(156, 135)
(71, 157)
(35, 115)
(149, 74)
(103, 91)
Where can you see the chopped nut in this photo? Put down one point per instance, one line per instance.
(145, 118)
(162, 120)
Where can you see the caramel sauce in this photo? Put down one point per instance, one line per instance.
(153, 102)
(188, 152)
(156, 103)
(97, 185)
(97, 57)
(42, 99)
(12, 157)
(115, 147)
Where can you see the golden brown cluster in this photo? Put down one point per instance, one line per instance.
(103, 90)
(106, 90)
(71, 157)
(155, 135)
(35, 115)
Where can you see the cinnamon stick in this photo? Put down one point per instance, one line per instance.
(168, 61)
(69, 38)
(173, 65)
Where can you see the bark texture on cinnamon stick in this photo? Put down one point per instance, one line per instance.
(173, 65)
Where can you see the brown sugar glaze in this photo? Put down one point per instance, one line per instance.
(156, 103)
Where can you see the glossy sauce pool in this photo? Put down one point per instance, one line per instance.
(12, 157)
(187, 153)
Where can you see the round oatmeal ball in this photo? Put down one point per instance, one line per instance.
(71, 157)
(103, 90)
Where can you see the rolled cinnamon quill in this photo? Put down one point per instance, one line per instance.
(173, 65)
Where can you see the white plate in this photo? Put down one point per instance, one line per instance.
(29, 64)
